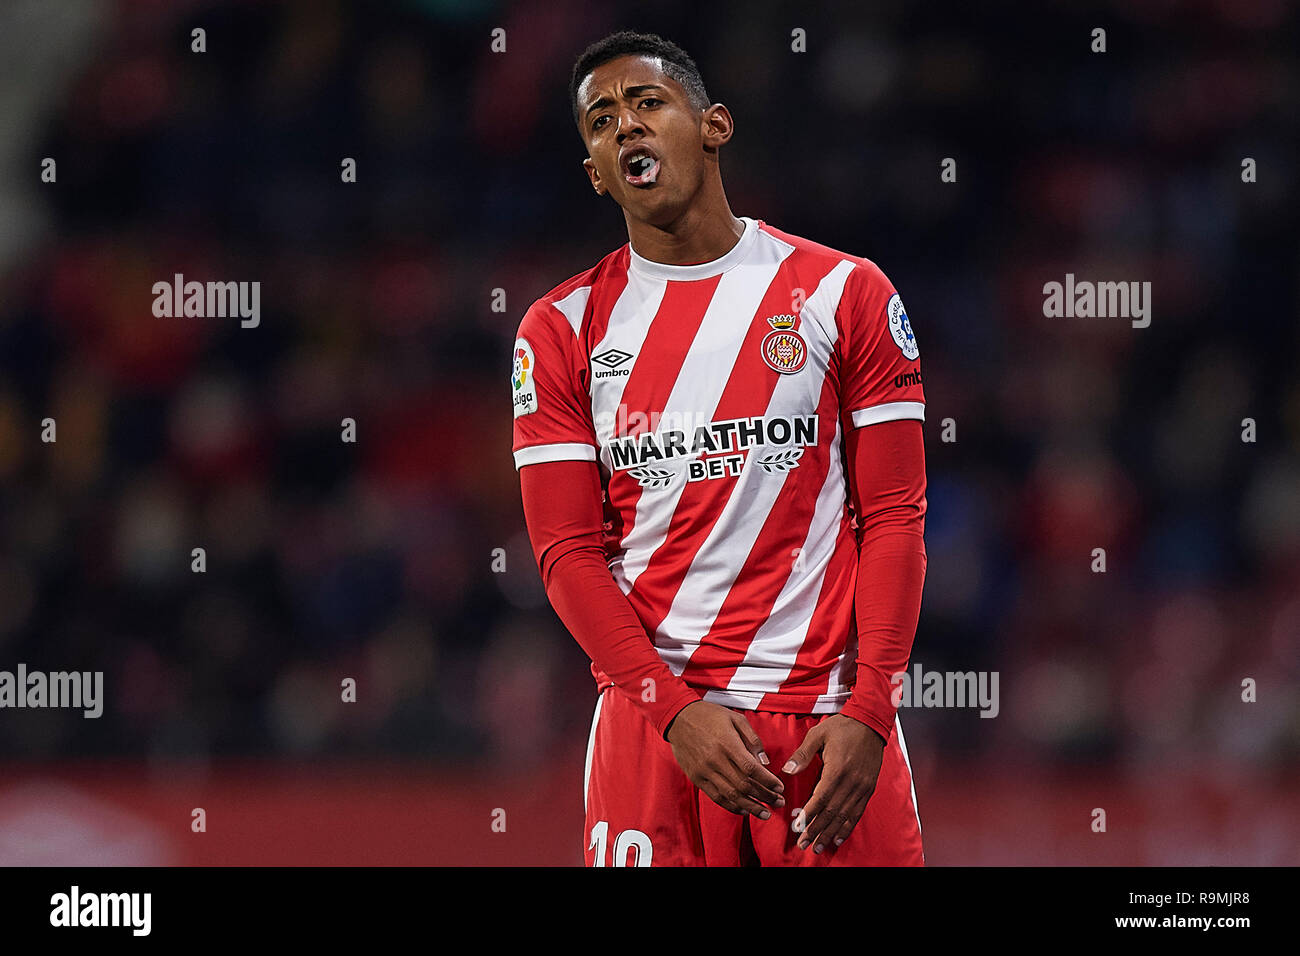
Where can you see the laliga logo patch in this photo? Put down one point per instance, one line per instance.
(521, 377)
(900, 328)
(784, 350)
(523, 363)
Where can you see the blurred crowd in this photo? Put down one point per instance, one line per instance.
(400, 560)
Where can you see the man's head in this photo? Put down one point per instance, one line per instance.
(644, 115)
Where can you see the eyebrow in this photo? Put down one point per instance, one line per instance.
(632, 91)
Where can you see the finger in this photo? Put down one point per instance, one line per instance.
(753, 779)
(803, 755)
(821, 794)
(710, 790)
(726, 794)
(753, 743)
(842, 833)
(763, 787)
(823, 807)
(843, 810)
(759, 782)
(837, 816)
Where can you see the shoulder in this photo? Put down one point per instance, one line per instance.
(857, 285)
(563, 310)
(859, 268)
(854, 275)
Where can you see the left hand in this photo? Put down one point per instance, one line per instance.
(851, 755)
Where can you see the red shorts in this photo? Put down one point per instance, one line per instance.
(643, 811)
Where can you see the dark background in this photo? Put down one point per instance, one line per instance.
(374, 560)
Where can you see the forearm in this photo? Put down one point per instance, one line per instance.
(562, 511)
(891, 574)
(599, 617)
(887, 467)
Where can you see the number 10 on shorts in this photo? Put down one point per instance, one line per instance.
(625, 841)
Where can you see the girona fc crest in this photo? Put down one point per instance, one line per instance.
(784, 349)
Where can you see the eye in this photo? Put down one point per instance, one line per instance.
(596, 124)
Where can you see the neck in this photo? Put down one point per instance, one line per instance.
(704, 232)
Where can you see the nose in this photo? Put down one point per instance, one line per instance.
(628, 121)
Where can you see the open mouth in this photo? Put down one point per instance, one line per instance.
(642, 169)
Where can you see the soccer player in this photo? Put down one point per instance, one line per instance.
(718, 435)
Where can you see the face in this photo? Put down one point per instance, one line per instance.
(648, 148)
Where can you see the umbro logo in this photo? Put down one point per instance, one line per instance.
(612, 359)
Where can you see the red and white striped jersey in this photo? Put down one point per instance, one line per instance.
(714, 398)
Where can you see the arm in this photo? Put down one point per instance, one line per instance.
(555, 452)
(882, 405)
(716, 748)
(887, 485)
(562, 510)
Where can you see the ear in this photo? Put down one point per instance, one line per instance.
(717, 126)
(593, 174)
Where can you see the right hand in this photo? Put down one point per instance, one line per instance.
(720, 753)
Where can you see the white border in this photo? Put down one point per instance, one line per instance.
(890, 411)
(591, 747)
(902, 745)
(571, 451)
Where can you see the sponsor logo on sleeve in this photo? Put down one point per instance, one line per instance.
(522, 378)
(900, 328)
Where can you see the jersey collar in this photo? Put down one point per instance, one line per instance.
(700, 270)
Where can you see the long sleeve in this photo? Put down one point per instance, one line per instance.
(886, 467)
(563, 513)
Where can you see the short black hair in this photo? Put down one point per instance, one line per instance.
(676, 63)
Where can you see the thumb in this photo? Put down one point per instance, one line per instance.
(800, 759)
(753, 743)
